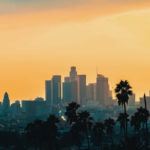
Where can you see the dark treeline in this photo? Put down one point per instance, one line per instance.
(79, 131)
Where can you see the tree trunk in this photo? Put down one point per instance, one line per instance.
(126, 123)
(146, 136)
(88, 140)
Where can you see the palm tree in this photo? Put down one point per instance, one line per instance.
(43, 133)
(52, 119)
(122, 119)
(109, 125)
(139, 119)
(136, 122)
(85, 121)
(143, 115)
(34, 133)
(50, 131)
(75, 135)
(123, 92)
(98, 133)
(147, 134)
(72, 118)
(71, 112)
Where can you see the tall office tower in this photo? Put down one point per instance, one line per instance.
(81, 83)
(91, 92)
(74, 85)
(67, 79)
(131, 101)
(73, 73)
(48, 91)
(67, 90)
(102, 90)
(56, 89)
(6, 102)
(74, 91)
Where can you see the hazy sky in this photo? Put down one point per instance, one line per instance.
(40, 38)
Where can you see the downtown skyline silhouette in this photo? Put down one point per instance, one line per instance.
(74, 75)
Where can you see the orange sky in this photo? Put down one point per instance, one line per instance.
(38, 43)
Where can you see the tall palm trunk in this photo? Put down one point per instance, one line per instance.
(146, 136)
(126, 123)
(87, 136)
(145, 103)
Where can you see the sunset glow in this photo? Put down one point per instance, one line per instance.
(38, 41)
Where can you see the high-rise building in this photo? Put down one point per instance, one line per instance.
(74, 91)
(81, 86)
(53, 90)
(102, 90)
(6, 102)
(73, 74)
(131, 101)
(48, 91)
(56, 89)
(67, 97)
(91, 92)
(67, 79)
(74, 85)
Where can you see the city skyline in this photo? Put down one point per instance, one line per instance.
(39, 39)
(76, 76)
(60, 89)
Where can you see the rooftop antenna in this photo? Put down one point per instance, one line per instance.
(96, 70)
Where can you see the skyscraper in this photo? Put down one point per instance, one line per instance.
(70, 86)
(73, 74)
(73, 84)
(131, 101)
(102, 90)
(81, 89)
(56, 89)
(91, 92)
(67, 96)
(48, 91)
(6, 103)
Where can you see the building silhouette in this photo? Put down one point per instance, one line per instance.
(56, 89)
(29, 108)
(74, 86)
(67, 96)
(73, 74)
(6, 103)
(91, 92)
(81, 82)
(48, 91)
(15, 108)
(103, 93)
(53, 90)
(132, 100)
